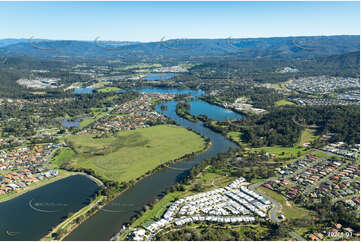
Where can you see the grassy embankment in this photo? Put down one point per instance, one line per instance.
(108, 89)
(283, 102)
(236, 137)
(61, 230)
(133, 153)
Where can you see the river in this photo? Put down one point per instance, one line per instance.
(32, 215)
(108, 221)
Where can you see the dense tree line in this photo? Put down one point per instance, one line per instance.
(283, 126)
(259, 97)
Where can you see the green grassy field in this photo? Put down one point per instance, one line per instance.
(108, 89)
(86, 122)
(307, 135)
(133, 153)
(283, 152)
(64, 155)
(100, 84)
(283, 102)
(236, 137)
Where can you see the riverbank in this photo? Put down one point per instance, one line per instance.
(150, 185)
(70, 224)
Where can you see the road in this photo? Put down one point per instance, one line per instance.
(276, 207)
(274, 210)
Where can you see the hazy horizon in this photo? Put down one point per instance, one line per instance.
(151, 21)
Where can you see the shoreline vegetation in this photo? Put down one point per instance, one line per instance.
(67, 226)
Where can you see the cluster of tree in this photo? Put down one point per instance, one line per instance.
(283, 126)
(19, 119)
(259, 97)
(182, 110)
(221, 232)
(328, 214)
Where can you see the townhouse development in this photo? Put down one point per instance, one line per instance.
(234, 204)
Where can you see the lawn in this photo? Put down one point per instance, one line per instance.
(283, 152)
(236, 137)
(307, 136)
(108, 89)
(100, 84)
(64, 155)
(283, 102)
(287, 208)
(85, 122)
(133, 153)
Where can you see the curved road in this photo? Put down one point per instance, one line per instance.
(275, 208)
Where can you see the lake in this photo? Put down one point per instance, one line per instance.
(156, 76)
(31, 215)
(193, 93)
(83, 90)
(214, 112)
(68, 123)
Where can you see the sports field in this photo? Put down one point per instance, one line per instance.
(130, 154)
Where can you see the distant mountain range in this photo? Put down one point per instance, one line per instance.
(184, 49)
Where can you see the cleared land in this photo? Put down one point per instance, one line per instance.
(130, 154)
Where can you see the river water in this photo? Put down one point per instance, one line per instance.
(107, 222)
(214, 112)
(32, 215)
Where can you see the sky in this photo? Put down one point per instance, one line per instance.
(151, 21)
